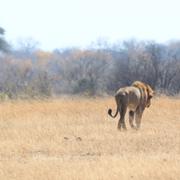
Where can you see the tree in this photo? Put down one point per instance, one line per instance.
(3, 44)
(26, 48)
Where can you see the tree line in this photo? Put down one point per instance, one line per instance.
(29, 72)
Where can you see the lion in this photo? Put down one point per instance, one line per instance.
(134, 98)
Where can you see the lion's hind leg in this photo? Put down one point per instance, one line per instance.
(121, 123)
(131, 119)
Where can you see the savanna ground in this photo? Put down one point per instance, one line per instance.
(73, 138)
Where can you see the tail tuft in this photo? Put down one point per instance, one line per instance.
(110, 112)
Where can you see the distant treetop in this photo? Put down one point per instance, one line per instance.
(4, 46)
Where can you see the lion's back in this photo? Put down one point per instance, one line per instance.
(130, 95)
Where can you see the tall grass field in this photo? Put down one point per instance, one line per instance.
(74, 139)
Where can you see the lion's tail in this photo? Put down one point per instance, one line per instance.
(110, 110)
(110, 113)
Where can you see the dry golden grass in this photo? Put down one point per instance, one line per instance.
(75, 139)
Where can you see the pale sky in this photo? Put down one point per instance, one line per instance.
(67, 23)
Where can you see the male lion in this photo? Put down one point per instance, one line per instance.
(135, 98)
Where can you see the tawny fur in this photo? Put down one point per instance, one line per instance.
(135, 99)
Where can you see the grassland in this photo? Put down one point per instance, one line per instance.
(73, 138)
